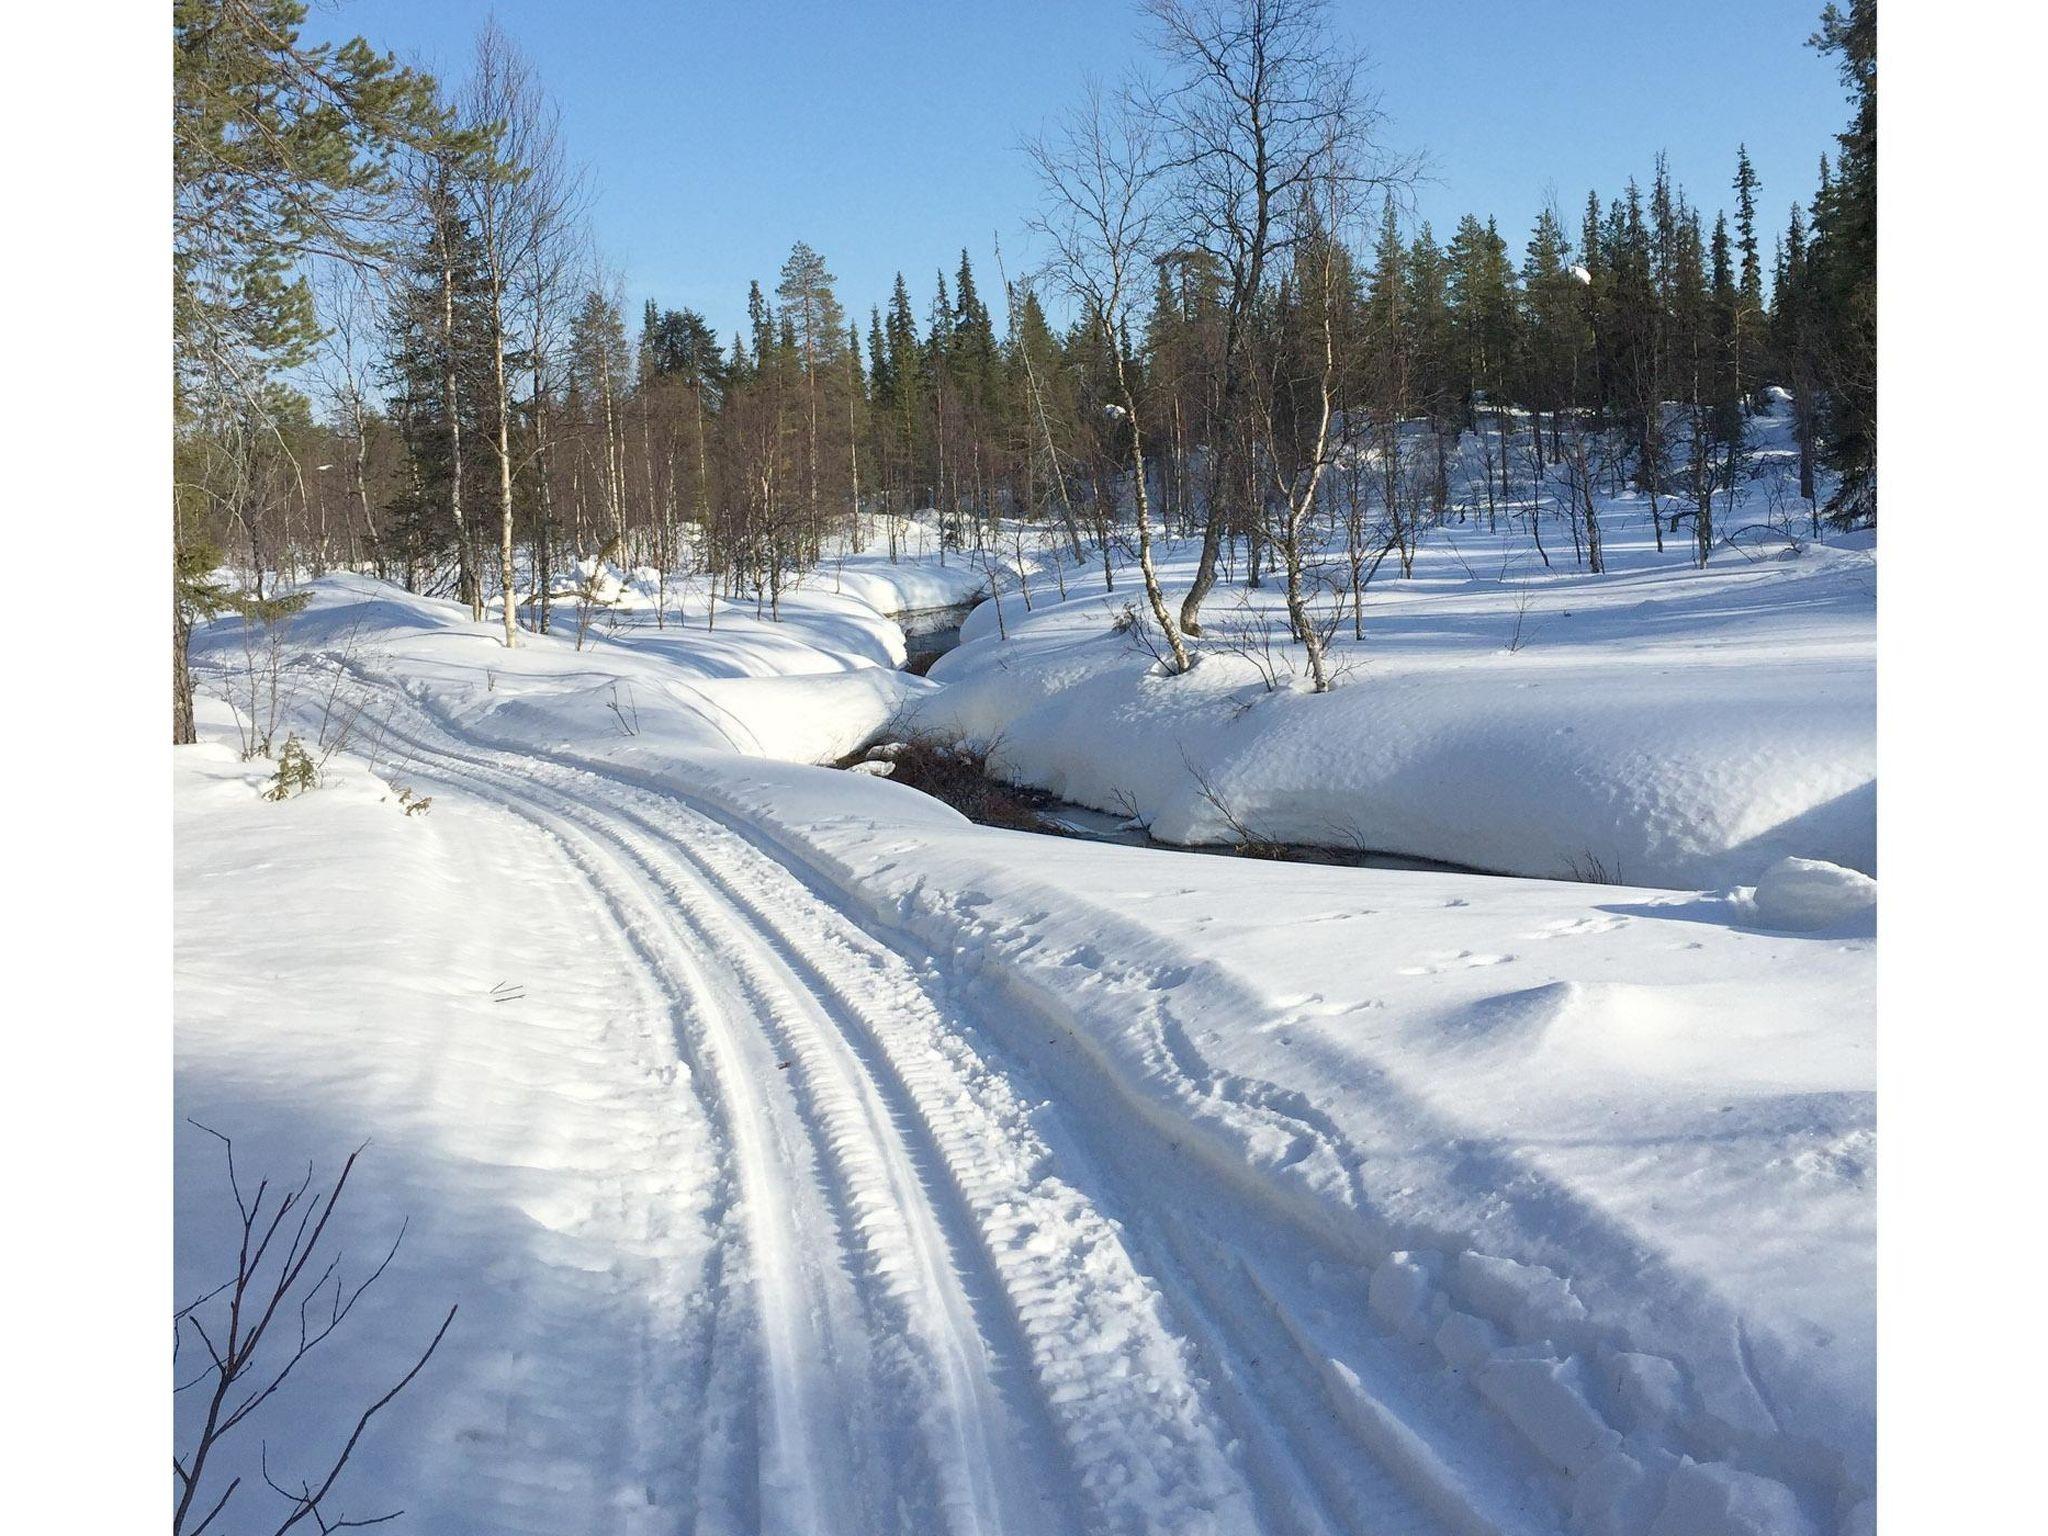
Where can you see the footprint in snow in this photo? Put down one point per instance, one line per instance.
(1456, 960)
(1570, 927)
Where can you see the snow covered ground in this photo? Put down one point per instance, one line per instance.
(805, 1158)
(1658, 724)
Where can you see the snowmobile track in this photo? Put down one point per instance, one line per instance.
(964, 1302)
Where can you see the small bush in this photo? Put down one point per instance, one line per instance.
(296, 772)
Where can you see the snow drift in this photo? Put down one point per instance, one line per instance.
(1658, 725)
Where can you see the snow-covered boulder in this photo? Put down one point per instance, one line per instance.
(1800, 895)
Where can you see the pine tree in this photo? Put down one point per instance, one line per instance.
(880, 386)
(973, 344)
(906, 377)
(1434, 369)
(1556, 340)
(278, 146)
(814, 321)
(1695, 354)
(760, 321)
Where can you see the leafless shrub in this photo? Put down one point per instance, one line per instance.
(1144, 637)
(1247, 633)
(1125, 804)
(1524, 601)
(1243, 838)
(342, 702)
(1590, 869)
(280, 1272)
(259, 689)
(628, 714)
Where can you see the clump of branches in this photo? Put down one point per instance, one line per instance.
(956, 770)
(1588, 868)
(286, 1297)
(1246, 841)
(1249, 634)
(626, 714)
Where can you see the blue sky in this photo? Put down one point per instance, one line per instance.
(884, 132)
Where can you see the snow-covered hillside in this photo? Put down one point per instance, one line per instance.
(804, 1157)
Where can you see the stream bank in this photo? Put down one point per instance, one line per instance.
(957, 773)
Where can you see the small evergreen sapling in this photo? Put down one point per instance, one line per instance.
(296, 771)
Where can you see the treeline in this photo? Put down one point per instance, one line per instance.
(1263, 357)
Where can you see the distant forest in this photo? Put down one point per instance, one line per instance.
(397, 351)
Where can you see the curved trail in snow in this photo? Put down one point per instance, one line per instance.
(963, 1289)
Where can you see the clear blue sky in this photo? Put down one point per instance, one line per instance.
(884, 132)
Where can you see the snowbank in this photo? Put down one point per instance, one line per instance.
(1657, 725)
(1801, 895)
(810, 688)
(902, 586)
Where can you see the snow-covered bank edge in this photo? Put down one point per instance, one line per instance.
(1656, 725)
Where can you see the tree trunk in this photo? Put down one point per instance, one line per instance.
(466, 582)
(183, 730)
(505, 582)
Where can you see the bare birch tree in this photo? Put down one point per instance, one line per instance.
(1261, 91)
(522, 203)
(1102, 221)
(1297, 459)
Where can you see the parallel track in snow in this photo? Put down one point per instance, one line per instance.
(950, 1307)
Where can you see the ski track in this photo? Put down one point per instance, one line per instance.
(950, 1300)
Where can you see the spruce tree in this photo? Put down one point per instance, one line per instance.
(1727, 395)
(1751, 344)
(1843, 263)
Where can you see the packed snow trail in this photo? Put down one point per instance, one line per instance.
(968, 1310)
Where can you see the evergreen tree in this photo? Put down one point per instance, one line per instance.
(815, 324)
(1843, 271)
(437, 357)
(760, 322)
(1726, 387)
(906, 376)
(279, 148)
(1751, 343)
(1792, 346)
(680, 344)
(1435, 378)
(880, 384)
(1557, 342)
(973, 344)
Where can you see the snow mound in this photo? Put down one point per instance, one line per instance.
(1658, 725)
(1800, 895)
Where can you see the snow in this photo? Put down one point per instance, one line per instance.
(903, 587)
(1800, 895)
(1659, 724)
(805, 1157)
